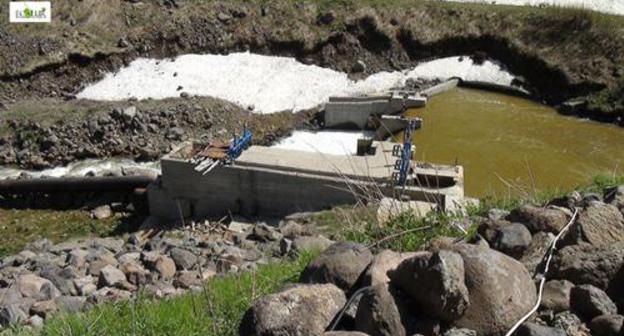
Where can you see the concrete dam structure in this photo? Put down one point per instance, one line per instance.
(267, 181)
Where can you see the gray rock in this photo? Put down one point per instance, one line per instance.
(85, 285)
(607, 325)
(539, 219)
(38, 288)
(497, 214)
(533, 256)
(110, 276)
(513, 240)
(264, 233)
(175, 133)
(435, 282)
(589, 301)
(386, 260)
(341, 264)
(128, 113)
(77, 258)
(184, 259)
(35, 321)
(44, 308)
(460, 332)
(378, 314)
(187, 279)
(501, 290)
(311, 243)
(532, 329)
(599, 224)
(71, 304)
(598, 266)
(297, 311)
(570, 323)
(11, 315)
(102, 212)
(615, 196)
(135, 273)
(344, 333)
(165, 267)
(556, 296)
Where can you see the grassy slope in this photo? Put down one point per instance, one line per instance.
(217, 310)
(19, 227)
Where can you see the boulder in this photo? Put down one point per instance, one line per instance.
(460, 332)
(589, 301)
(71, 304)
(532, 329)
(183, 259)
(378, 313)
(264, 233)
(311, 243)
(513, 239)
(102, 212)
(77, 258)
(165, 267)
(187, 279)
(501, 290)
(44, 308)
(598, 224)
(135, 273)
(33, 286)
(436, 283)
(386, 260)
(607, 325)
(341, 264)
(534, 255)
(615, 196)
(110, 276)
(390, 208)
(556, 296)
(11, 315)
(570, 323)
(344, 333)
(539, 219)
(85, 285)
(297, 311)
(598, 266)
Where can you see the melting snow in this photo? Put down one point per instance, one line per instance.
(268, 83)
(327, 142)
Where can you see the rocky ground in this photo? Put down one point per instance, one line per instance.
(479, 285)
(45, 279)
(142, 130)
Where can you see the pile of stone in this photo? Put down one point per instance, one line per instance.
(73, 276)
(481, 286)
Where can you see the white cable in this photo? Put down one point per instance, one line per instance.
(550, 252)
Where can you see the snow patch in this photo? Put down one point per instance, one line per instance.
(268, 83)
(326, 142)
(82, 168)
(605, 6)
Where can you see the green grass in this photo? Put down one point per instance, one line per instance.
(19, 227)
(217, 310)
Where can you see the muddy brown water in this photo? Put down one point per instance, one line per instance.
(508, 144)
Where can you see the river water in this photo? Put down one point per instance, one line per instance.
(508, 144)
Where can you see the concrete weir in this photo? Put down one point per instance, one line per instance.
(356, 112)
(267, 181)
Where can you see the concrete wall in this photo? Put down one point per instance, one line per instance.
(242, 190)
(441, 88)
(354, 112)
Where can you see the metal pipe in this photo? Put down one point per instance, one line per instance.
(74, 184)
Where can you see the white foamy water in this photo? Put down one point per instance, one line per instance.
(327, 142)
(268, 83)
(605, 6)
(82, 168)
